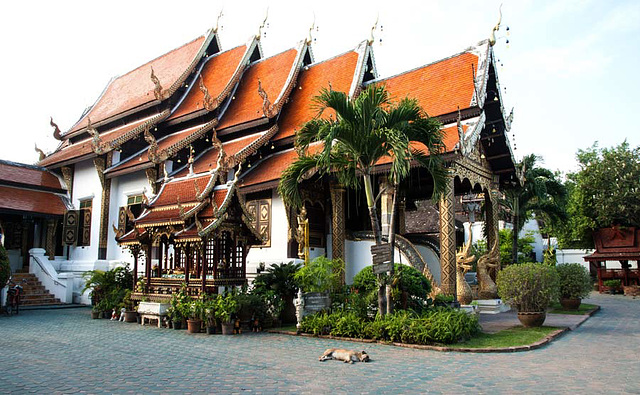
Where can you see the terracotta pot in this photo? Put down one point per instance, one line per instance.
(211, 330)
(532, 319)
(95, 314)
(227, 328)
(177, 324)
(130, 316)
(193, 326)
(570, 303)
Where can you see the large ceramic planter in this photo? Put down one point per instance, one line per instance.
(227, 328)
(95, 314)
(211, 330)
(532, 319)
(570, 303)
(130, 316)
(177, 324)
(193, 326)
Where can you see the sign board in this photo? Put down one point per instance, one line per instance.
(381, 255)
(316, 301)
(382, 268)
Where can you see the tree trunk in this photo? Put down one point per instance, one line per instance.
(392, 239)
(377, 232)
(514, 234)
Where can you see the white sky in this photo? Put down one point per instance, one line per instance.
(570, 69)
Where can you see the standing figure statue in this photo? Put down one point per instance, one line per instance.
(300, 232)
(299, 304)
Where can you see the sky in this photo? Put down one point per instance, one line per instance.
(569, 69)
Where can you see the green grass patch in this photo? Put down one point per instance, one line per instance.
(285, 328)
(584, 308)
(514, 337)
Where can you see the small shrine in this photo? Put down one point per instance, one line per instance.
(616, 244)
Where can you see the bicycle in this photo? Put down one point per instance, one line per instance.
(14, 294)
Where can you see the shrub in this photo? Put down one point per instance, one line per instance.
(320, 275)
(278, 278)
(612, 283)
(433, 326)
(406, 279)
(529, 287)
(575, 281)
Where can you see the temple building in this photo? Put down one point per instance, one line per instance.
(174, 169)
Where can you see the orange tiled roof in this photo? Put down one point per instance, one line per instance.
(28, 175)
(219, 196)
(84, 147)
(338, 71)
(273, 73)
(135, 88)
(440, 87)
(208, 161)
(216, 74)
(165, 216)
(182, 188)
(31, 201)
(272, 167)
(143, 157)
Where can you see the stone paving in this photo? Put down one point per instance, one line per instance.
(64, 351)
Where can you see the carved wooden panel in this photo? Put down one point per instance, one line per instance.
(85, 240)
(122, 220)
(70, 227)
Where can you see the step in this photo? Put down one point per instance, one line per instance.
(40, 302)
(37, 296)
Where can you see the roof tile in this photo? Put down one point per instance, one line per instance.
(31, 201)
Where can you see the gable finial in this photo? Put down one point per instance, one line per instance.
(40, 152)
(264, 21)
(220, 15)
(373, 28)
(56, 131)
(190, 161)
(313, 26)
(207, 102)
(267, 108)
(492, 38)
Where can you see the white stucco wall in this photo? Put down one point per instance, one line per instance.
(277, 252)
(121, 188)
(86, 184)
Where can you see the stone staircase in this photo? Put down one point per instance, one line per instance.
(35, 294)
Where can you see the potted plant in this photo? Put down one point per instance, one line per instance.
(529, 288)
(210, 315)
(226, 308)
(95, 312)
(274, 306)
(575, 284)
(280, 279)
(130, 313)
(196, 314)
(612, 286)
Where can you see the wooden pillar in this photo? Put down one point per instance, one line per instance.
(203, 264)
(447, 240)
(101, 164)
(134, 251)
(147, 266)
(337, 223)
(160, 256)
(491, 216)
(187, 266)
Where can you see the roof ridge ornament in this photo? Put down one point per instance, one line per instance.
(190, 161)
(56, 131)
(373, 28)
(40, 152)
(157, 90)
(153, 146)
(264, 21)
(492, 37)
(117, 231)
(96, 142)
(220, 15)
(267, 108)
(208, 102)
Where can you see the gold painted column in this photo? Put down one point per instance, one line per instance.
(51, 239)
(447, 241)
(101, 164)
(337, 223)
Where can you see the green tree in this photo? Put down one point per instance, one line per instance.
(365, 130)
(540, 192)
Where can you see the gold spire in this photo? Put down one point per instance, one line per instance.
(215, 29)
(313, 26)
(492, 38)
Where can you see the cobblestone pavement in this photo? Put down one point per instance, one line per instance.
(64, 351)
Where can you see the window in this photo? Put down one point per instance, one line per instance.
(134, 203)
(260, 210)
(85, 223)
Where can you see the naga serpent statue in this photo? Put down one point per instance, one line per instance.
(463, 265)
(486, 263)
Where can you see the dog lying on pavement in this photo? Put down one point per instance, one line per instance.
(348, 356)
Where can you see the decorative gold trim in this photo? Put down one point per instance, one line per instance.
(157, 90)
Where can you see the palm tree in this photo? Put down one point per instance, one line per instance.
(364, 131)
(540, 193)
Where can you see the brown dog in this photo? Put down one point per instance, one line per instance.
(348, 356)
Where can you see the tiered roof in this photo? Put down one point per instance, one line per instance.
(30, 189)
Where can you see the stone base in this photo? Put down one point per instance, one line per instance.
(492, 306)
(469, 309)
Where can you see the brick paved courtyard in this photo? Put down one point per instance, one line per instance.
(64, 351)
